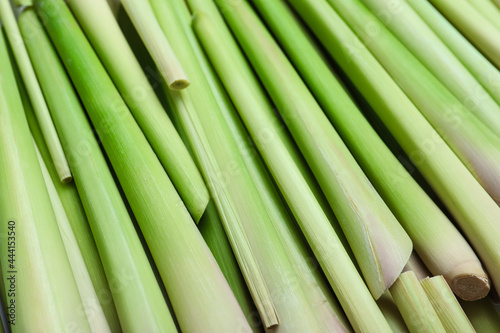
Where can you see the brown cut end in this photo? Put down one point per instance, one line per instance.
(470, 287)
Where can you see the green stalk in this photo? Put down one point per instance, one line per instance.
(380, 244)
(446, 305)
(34, 91)
(114, 5)
(472, 24)
(488, 9)
(416, 265)
(416, 309)
(482, 69)
(38, 279)
(412, 31)
(474, 143)
(474, 210)
(345, 280)
(391, 313)
(91, 306)
(483, 315)
(143, 18)
(72, 206)
(195, 285)
(132, 281)
(434, 237)
(106, 37)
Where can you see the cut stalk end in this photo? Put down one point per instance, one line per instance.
(470, 287)
(179, 84)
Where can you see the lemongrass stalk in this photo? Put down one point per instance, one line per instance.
(480, 32)
(488, 9)
(106, 37)
(434, 237)
(497, 3)
(143, 18)
(416, 265)
(198, 291)
(380, 244)
(34, 91)
(391, 313)
(38, 279)
(475, 144)
(414, 306)
(114, 5)
(74, 210)
(446, 305)
(345, 280)
(482, 315)
(213, 233)
(136, 293)
(91, 306)
(275, 128)
(474, 210)
(482, 69)
(419, 38)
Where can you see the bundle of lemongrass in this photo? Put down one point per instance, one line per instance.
(202, 166)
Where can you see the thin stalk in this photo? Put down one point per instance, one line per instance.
(482, 69)
(416, 309)
(483, 315)
(38, 277)
(137, 296)
(471, 206)
(434, 237)
(195, 285)
(416, 265)
(74, 210)
(106, 37)
(446, 305)
(391, 313)
(34, 91)
(488, 9)
(345, 280)
(472, 141)
(472, 24)
(419, 38)
(380, 244)
(91, 306)
(143, 18)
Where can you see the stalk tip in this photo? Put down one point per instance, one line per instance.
(470, 287)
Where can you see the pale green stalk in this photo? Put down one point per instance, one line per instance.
(137, 296)
(143, 18)
(483, 315)
(91, 306)
(413, 304)
(348, 285)
(488, 9)
(106, 37)
(114, 5)
(474, 210)
(480, 32)
(419, 38)
(446, 305)
(38, 279)
(416, 265)
(435, 238)
(195, 285)
(482, 69)
(380, 244)
(34, 91)
(391, 313)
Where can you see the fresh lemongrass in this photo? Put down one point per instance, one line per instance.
(114, 5)
(446, 305)
(482, 69)
(213, 233)
(76, 215)
(391, 313)
(419, 38)
(143, 18)
(34, 91)
(39, 283)
(105, 35)
(416, 265)
(137, 296)
(353, 294)
(380, 244)
(488, 9)
(471, 206)
(414, 305)
(483, 315)
(199, 293)
(472, 141)
(471, 23)
(91, 306)
(434, 237)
